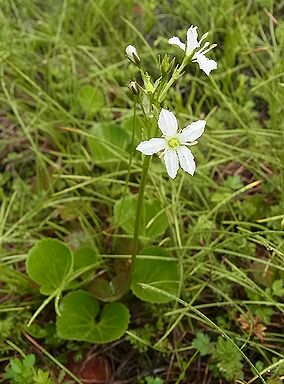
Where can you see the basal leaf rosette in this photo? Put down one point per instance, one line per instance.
(82, 320)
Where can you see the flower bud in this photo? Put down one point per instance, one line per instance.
(132, 54)
(134, 88)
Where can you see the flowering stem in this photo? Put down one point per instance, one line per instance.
(145, 167)
(129, 166)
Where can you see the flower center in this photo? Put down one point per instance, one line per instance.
(174, 143)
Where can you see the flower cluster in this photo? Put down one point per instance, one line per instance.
(190, 49)
(174, 143)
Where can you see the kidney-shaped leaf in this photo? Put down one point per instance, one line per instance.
(79, 319)
(156, 272)
(49, 262)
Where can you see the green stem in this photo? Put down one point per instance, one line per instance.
(128, 169)
(146, 163)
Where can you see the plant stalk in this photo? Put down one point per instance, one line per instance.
(145, 167)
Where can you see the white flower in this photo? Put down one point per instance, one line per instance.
(132, 54)
(173, 143)
(192, 44)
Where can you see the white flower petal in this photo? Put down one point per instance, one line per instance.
(204, 51)
(192, 131)
(176, 41)
(191, 40)
(171, 162)
(203, 37)
(205, 64)
(186, 160)
(167, 123)
(152, 146)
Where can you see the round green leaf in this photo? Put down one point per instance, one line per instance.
(161, 274)
(91, 99)
(82, 320)
(107, 142)
(49, 262)
(153, 220)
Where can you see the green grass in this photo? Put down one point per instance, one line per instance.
(225, 223)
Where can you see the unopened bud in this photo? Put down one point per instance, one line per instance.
(134, 88)
(132, 55)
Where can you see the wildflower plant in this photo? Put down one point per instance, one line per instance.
(173, 143)
(155, 278)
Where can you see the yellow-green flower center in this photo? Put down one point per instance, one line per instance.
(174, 143)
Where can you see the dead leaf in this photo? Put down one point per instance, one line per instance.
(253, 325)
(92, 369)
